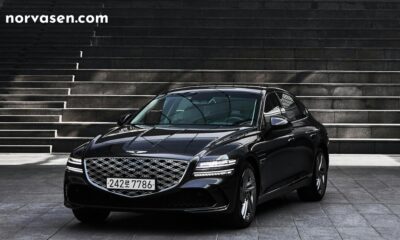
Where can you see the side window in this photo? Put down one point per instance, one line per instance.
(272, 105)
(293, 111)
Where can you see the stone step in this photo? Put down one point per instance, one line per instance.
(72, 101)
(51, 78)
(32, 111)
(237, 52)
(18, 65)
(73, 114)
(26, 148)
(250, 76)
(349, 102)
(30, 118)
(248, 32)
(363, 130)
(242, 42)
(37, 48)
(41, 60)
(212, 12)
(37, 85)
(232, 76)
(21, 35)
(64, 129)
(364, 145)
(28, 133)
(304, 89)
(21, 55)
(251, 22)
(34, 91)
(239, 63)
(51, 6)
(200, 51)
(356, 116)
(256, 13)
(59, 144)
(56, 39)
(205, 4)
(32, 104)
(66, 27)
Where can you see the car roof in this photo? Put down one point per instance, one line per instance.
(244, 88)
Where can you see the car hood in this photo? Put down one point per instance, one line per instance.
(179, 143)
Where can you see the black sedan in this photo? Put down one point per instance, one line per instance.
(214, 149)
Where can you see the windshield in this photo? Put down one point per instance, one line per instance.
(214, 108)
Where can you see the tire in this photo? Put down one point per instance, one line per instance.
(246, 199)
(91, 215)
(317, 188)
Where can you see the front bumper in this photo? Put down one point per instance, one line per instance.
(196, 195)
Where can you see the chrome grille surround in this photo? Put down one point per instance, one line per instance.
(167, 172)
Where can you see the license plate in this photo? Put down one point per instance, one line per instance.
(131, 184)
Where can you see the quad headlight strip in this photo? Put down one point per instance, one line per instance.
(74, 165)
(215, 168)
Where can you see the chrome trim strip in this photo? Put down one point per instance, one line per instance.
(213, 173)
(75, 161)
(74, 169)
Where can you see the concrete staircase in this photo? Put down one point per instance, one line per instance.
(62, 85)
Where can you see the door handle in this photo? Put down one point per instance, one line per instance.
(291, 139)
(312, 133)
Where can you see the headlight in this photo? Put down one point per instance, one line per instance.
(75, 161)
(221, 166)
(215, 164)
(213, 173)
(74, 165)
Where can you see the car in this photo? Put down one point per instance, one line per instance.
(219, 150)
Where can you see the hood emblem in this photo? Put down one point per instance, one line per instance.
(136, 152)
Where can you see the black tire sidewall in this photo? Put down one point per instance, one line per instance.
(236, 218)
(315, 174)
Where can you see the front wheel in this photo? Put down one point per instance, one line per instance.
(91, 215)
(316, 190)
(246, 199)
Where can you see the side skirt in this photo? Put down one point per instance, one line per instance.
(302, 182)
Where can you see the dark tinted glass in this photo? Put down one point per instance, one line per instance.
(221, 108)
(288, 103)
(272, 104)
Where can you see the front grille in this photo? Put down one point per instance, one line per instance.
(168, 173)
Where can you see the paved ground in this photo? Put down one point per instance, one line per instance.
(362, 202)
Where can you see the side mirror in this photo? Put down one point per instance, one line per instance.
(279, 122)
(121, 121)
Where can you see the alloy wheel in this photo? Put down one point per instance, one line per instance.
(248, 193)
(321, 173)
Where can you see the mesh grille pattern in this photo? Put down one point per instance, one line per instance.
(167, 173)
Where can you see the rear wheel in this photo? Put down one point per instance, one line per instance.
(246, 199)
(91, 215)
(316, 190)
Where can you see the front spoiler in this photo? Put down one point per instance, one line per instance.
(222, 191)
